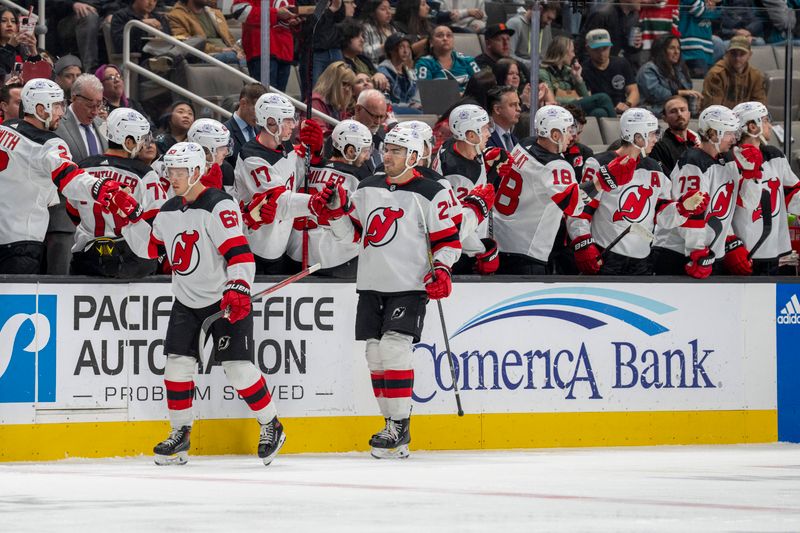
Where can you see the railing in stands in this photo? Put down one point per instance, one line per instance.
(129, 66)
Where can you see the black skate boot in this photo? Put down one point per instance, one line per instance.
(175, 449)
(392, 442)
(373, 438)
(271, 440)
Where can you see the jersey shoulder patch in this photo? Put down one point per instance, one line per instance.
(253, 148)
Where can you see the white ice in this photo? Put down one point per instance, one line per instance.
(678, 488)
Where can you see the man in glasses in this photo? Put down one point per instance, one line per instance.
(371, 110)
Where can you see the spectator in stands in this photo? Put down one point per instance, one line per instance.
(376, 17)
(621, 19)
(777, 18)
(678, 137)
(197, 18)
(143, 11)
(498, 46)
(333, 93)
(82, 27)
(284, 23)
(695, 30)
(242, 123)
(372, 111)
(666, 75)
(740, 17)
(325, 46)
(66, 71)
(353, 56)
(15, 47)
(9, 100)
(411, 19)
(613, 76)
(398, 69)
(521, 24)
(577, 153)
(469, 19)
(444, 62)
(507, 72)
(114, 90)
(563, 74)
(657, 18)
(733, 80)
(504, 110)
(363, 82)
(476, 92)
(175, 125)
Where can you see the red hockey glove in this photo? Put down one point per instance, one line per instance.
(236, 300)
(693, 138)
(320, 199)
(749, 159)
(438, 285)
(735, 260)
(126, 205)
(618, 172)
(699, 265)
(692, 203)
(337, 205)
(487, 262)
(311, 135)
(498, 164)
(262, 208)
(103, 190)
(587, 256)
(213, 178)
(480, 199)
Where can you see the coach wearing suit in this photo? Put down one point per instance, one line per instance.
(242, 124)
(84, 132)
(504, 108)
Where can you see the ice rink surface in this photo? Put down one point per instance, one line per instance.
(671, 488)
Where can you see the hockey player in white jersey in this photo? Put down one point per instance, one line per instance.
(723, 174)
(99, 248)
(35, 165)
(396, 218)
(266, 179)
(533, 199)
(216, 140)
(643, 196)
(201, 230)
(762, 233)
(352, 147)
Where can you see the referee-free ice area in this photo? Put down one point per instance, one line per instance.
(677, 488)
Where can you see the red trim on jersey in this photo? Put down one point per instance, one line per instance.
(567, 200)
(153, 247)
(99, 221)
(230, 243)
(358, 228)
(441, 234)
(73, 213)
(256, 395)
(695, 222)
(790, 192)
(241, 258)
(62, 176)
(398, 383)
(236, 250)
(447, 237)
(149, 215)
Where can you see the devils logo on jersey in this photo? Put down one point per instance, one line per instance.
(773, 187)
(634, 204)
(382, 226)
(185, 254)
(721, 202)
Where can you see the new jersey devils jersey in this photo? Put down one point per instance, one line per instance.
(387, 223)
(259, 169)
(323, 248)
(34, 166)
(719, 178)
(645, 200)
(531, 202)
(204, 243)
(779, 188)
(138, 177)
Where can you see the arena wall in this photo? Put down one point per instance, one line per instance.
(539, 365)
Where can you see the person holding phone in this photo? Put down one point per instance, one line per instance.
(16, 46)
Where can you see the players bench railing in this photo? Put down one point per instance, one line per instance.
(130, 66)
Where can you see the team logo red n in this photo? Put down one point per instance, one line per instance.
(633, 204)
(721, 202)
(185, 255)
(774, 186)
(382, 226)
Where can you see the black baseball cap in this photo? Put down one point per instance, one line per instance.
(393, 41)
(496, 29)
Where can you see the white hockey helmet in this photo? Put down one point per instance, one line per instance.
(210, 134)
(124, 122)
(551, 118)
(409, 139)
(424, 131)
(273, 106)
(748, 112)
(351, 133)
(636, 121)
(186, 155)
(41, 91)
(466, 118)
(718, 118)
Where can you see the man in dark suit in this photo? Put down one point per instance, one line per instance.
(84, 132)
(242, 124)
(504, 110)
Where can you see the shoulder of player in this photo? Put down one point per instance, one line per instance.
(427, 172)
(31, 132)
(374, 181)
(211, 200)
(697, 158)
(771, 152)
(254, 149)
(650, 164)
(132, 166)
(452, 163)
(604, 158)
(346, 168)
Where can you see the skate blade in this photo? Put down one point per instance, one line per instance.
(268, 459)
(401, 452)
(180, 458)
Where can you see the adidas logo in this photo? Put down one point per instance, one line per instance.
(790, 314)
(104, 162)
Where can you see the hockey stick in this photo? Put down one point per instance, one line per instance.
(208, 322)
(635, 228)
(766, 217)
(441, 311)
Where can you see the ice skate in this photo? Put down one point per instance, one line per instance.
(374, 437)
(174, 450)
(392, 442)
(271, 440)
